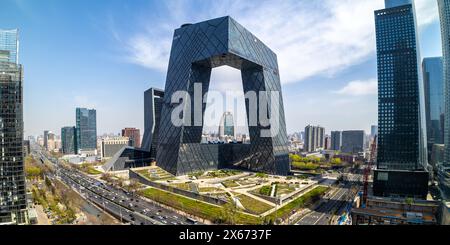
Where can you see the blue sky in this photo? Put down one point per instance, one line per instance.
(106, 53)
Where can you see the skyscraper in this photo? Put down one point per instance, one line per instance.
(196, 50)
(9, 46)
(12, 176)
(402, 150)
(434, 101)
(46, 132)
(134, 135)
(69, 140)
(373, 131)
(353, 141)
(314, 138)
(153, 101)
(444, 169)
(336, 140)
(226, 126)
(86, 120)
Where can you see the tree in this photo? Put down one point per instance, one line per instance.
(336, 161)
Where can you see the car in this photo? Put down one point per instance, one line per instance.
(165, 222)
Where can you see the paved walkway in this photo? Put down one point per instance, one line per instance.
(41, 216)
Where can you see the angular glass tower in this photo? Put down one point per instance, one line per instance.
(9, 46)
(402, 151)
(86, 121)
(196, 49)
(444, 169)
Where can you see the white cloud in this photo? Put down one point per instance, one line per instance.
(358, 88)
(310, 37)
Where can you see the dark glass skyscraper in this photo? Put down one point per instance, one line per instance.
(86, 121)
(336, 140)
(196, 49)
(12, 176)
(402, 150)
(69, 140)
(434, 100)
(444, 169)
(153, 101)
(353, 141)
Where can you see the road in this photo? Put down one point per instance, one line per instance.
(125, 206)
(324, 213)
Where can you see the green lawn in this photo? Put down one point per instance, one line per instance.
(197, 208)
(254, 206)
(230, 183)
(92, 171)
(300, 202)
(284, 189)
(155, 174)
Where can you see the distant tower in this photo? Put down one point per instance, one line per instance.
(402, 151)
(86, 120)
(226, 126)
(153, 102)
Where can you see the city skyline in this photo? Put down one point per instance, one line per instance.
(102, 37)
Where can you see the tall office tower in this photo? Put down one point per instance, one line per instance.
(353, 141)
(46, 132)
(86, 120)
(434, 101)
(373, 131)
(402, 150)
(314, 138)
(13, 205)
(153, 101)
(336, 140)
(134, 135)
(69, 140)
(444, 169)
(9, 46)
(226, 126)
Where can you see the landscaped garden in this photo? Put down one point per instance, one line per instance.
(200, 209)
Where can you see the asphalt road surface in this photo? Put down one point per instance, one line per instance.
(125, 206)
(323, 214)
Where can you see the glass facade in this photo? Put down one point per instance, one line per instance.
(444, 170)
(434, 100)
(153, 101)
(196, 49)
(353, 141)
(86, 121)
(401, 103)
(12, 176)
(336, 140)
(9, 46)
(69, 140)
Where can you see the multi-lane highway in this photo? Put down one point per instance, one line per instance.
(335, 202)
(125, 206)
